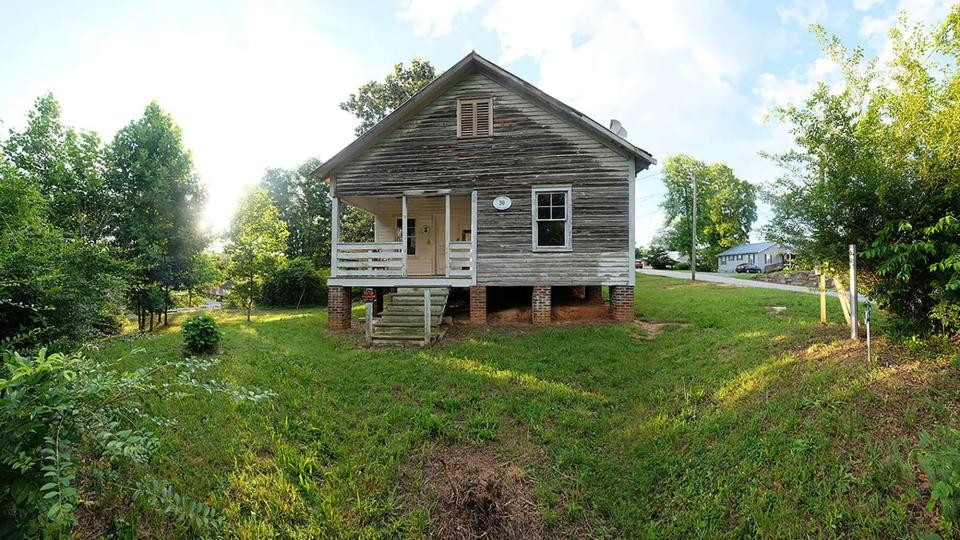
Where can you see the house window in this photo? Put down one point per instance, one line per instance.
(552, 208)
(411, 235)
(475, 117)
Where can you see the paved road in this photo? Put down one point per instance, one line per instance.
(721, 278)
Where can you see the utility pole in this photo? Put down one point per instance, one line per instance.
(693, 229)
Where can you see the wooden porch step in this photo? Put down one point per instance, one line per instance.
(434, 322)
(415, 301)
(401, 322)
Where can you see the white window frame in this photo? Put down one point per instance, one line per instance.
(568, 215)
(411, 235)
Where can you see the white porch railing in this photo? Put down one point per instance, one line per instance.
(380, 259)
(389, 259)
(460, 259)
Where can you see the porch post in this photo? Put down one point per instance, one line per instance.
(334, 234)
(473, 236)
(446, 236)
(403, 237)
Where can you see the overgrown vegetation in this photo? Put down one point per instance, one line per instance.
(257, 239)
(72, 428)
(876, 165)
(297, 283)
(731, 420)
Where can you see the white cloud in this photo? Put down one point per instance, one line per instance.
(434, 17)
(247, 96)
(804, 12)
(865, 5)
(876, 29)
(792, 88)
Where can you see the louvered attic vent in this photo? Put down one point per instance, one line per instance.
(475, 117)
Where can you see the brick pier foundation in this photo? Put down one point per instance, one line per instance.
(622, 306)
(541, 304)
(338, 308)
(478, 304)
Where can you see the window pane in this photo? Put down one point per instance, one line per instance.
(411, 235)
(559, 212)
(558, 199)
(543, 212)
(543, 199)
(550, 233)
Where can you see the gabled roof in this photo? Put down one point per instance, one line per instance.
(474, 63)
(742, 249)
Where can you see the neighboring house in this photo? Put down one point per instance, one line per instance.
(678, 258)
(222, 291)
(498, 185)
(769, 256)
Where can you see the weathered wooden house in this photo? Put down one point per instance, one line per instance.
(483, 181)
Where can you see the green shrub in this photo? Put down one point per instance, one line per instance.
(63, 417)
(297, 283)
(201, 335)
(939, 458)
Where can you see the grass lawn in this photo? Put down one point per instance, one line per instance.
(734, 422)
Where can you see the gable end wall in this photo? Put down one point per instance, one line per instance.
(531, 146)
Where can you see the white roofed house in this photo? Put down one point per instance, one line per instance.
(768, 256)
(481, 181)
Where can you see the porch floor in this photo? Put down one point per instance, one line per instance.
(408, 281)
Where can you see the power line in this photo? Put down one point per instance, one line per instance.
(650, 175)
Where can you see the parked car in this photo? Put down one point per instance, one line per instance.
(638, 263)
(748, 268)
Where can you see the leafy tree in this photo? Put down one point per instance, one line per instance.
(68, 169)
(56, 287)
(355, 225)
(296, 283)
(257, 242)
(304, 205)
(658, 258)
(158, 223)
(877, 164)
(726, 207)
(375, 100)
(205, 272)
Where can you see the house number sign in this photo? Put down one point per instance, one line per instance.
(502, 202)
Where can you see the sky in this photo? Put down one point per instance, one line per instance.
(258, 84)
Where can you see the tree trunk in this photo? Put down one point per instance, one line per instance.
(843, 292)
(248, 312)
(151, 320)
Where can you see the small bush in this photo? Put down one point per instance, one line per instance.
(297, 283)
(201, 335)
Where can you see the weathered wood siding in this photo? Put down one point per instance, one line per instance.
(531, 146)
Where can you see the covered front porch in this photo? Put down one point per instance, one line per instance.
(421, 239)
